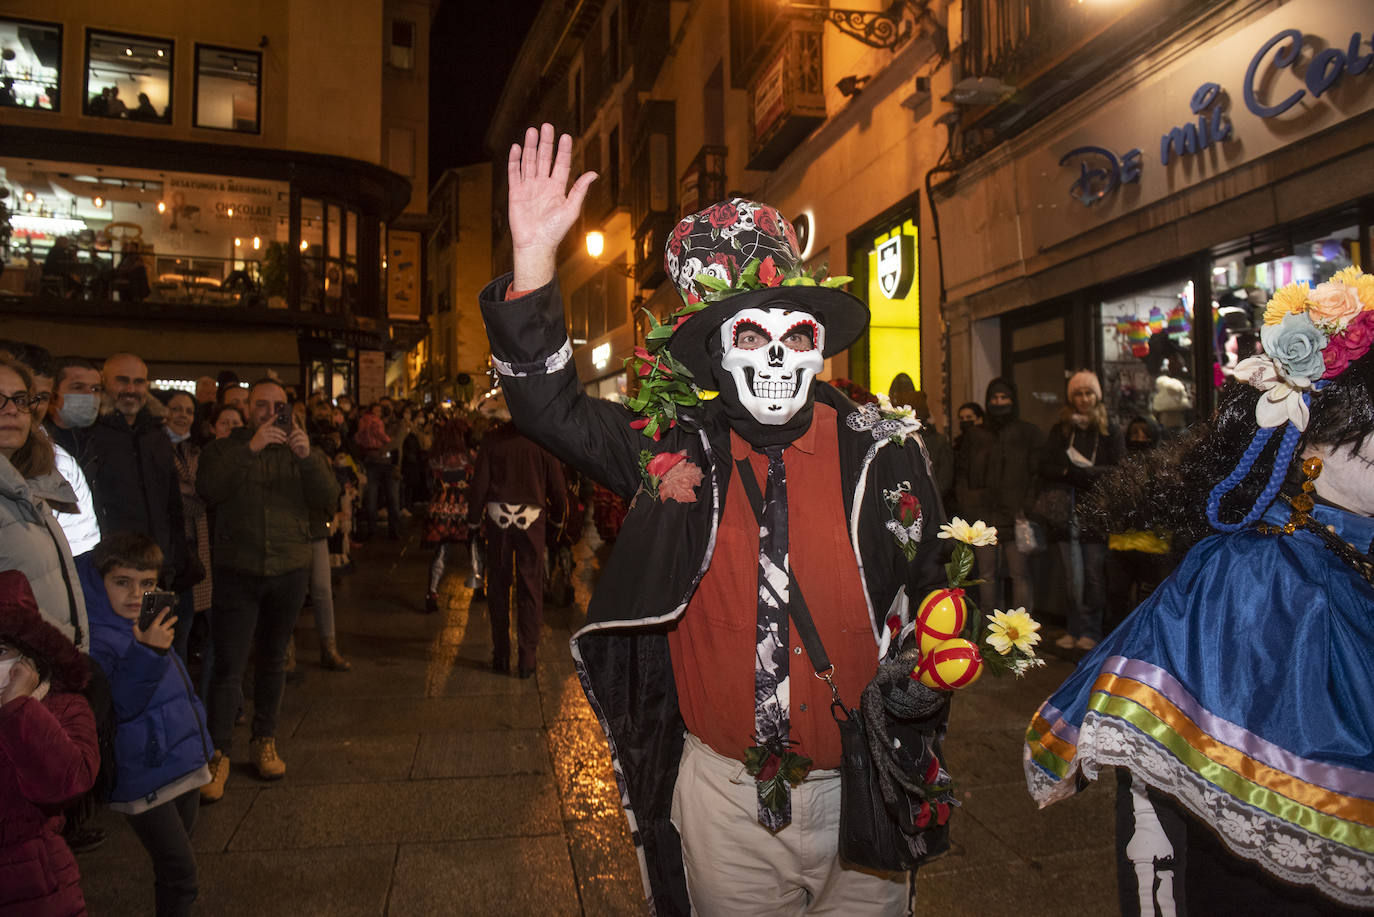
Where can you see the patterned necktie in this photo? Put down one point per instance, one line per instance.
(771, 695)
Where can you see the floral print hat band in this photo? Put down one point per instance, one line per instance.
(1310, 337)
(739, 254)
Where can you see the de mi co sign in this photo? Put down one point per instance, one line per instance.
(1302, 68)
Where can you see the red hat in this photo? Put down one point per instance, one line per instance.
(22, 624)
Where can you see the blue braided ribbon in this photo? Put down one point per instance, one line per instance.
(1287, 447)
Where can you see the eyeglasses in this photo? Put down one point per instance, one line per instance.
(22, 401)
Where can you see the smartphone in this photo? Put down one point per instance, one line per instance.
(284, 417)
(154, 603)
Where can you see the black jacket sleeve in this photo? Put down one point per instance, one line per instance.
(529, 339)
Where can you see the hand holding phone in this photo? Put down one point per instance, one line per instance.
(154, 627)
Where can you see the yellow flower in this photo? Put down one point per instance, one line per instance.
(1292, 298)
(1347, 275)
(1364, 288)
(1015, 628)
(977, 533)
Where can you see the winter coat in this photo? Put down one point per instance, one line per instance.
(995, 469)
(1056, 469)
(162, 747)
(134, 480)
(81, 527)
(262, 503)
(664, 549)
(32, 541)
(48, 756)
(186, 457)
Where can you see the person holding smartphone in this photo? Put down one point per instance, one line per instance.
(262, 483)
(162, 745)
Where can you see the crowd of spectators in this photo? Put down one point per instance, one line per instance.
(154, 543)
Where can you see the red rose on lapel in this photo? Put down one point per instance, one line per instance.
(908, 509)
(680, 482)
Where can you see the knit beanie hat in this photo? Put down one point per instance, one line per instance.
(1085, 379)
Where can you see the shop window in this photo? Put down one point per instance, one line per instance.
(228, 89)
(312, 254)
(1147, 356)
(128, 76)
(1243, 283)
(402, 54)
(30, 64)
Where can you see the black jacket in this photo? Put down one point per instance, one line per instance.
(1104, 450)
(664, 549)
(134, 484)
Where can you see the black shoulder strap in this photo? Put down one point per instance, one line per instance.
(797, 608)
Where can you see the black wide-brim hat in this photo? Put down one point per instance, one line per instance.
(843, 316)
(742, 237)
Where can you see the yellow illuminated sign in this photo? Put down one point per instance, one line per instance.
(894, 305)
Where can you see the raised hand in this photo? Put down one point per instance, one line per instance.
(542, 207)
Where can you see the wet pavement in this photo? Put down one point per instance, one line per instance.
(423, 783)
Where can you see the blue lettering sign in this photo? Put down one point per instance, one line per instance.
(1211, 127)
(1109, 173)
(1325, 70)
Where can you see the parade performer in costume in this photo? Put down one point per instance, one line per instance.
(1236, 701)
(687, 652)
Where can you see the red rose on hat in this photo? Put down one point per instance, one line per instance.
(683, 229)
(790, 235)
(766, 219)
(722, 215)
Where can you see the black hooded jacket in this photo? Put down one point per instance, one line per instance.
(995, 467)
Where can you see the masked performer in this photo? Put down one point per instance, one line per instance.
(1236, 701)
(687, 652)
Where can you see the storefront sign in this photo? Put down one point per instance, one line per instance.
(403, 275)
(371, 376)
(896, 265)
(1293, 83)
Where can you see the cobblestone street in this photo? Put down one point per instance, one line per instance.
(422, 783)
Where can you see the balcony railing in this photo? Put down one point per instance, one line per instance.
(703, 182)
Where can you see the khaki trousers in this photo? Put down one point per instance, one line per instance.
(736, 866)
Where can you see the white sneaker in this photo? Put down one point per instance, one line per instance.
(1065, 642)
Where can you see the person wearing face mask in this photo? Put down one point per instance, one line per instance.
(994, 479)
(49, 753)
(1137, 561)
(1081, 447)
(739, 505)
(1236, 703)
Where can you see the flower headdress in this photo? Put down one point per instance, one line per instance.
(1310, 336)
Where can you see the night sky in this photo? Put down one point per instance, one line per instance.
(472, 46)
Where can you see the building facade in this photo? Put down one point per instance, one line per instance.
(1132, 210)
(453, 362)
(228, 177)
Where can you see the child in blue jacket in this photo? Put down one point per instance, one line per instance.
(162, 748)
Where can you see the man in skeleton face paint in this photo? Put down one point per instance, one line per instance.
(777, 488)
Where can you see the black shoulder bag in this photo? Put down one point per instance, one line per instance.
(895, 797)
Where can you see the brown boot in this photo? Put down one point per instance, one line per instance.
(219, 776)
(263, 753)
(330, 658)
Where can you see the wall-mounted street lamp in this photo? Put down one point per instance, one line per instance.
(887, 29)
(596, 245)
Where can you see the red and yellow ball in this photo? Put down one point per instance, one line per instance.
(949, 664)
(940, 616)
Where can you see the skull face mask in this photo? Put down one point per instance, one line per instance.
(773, 356)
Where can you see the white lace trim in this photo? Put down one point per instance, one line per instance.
(552, 363)
(1282, 848)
